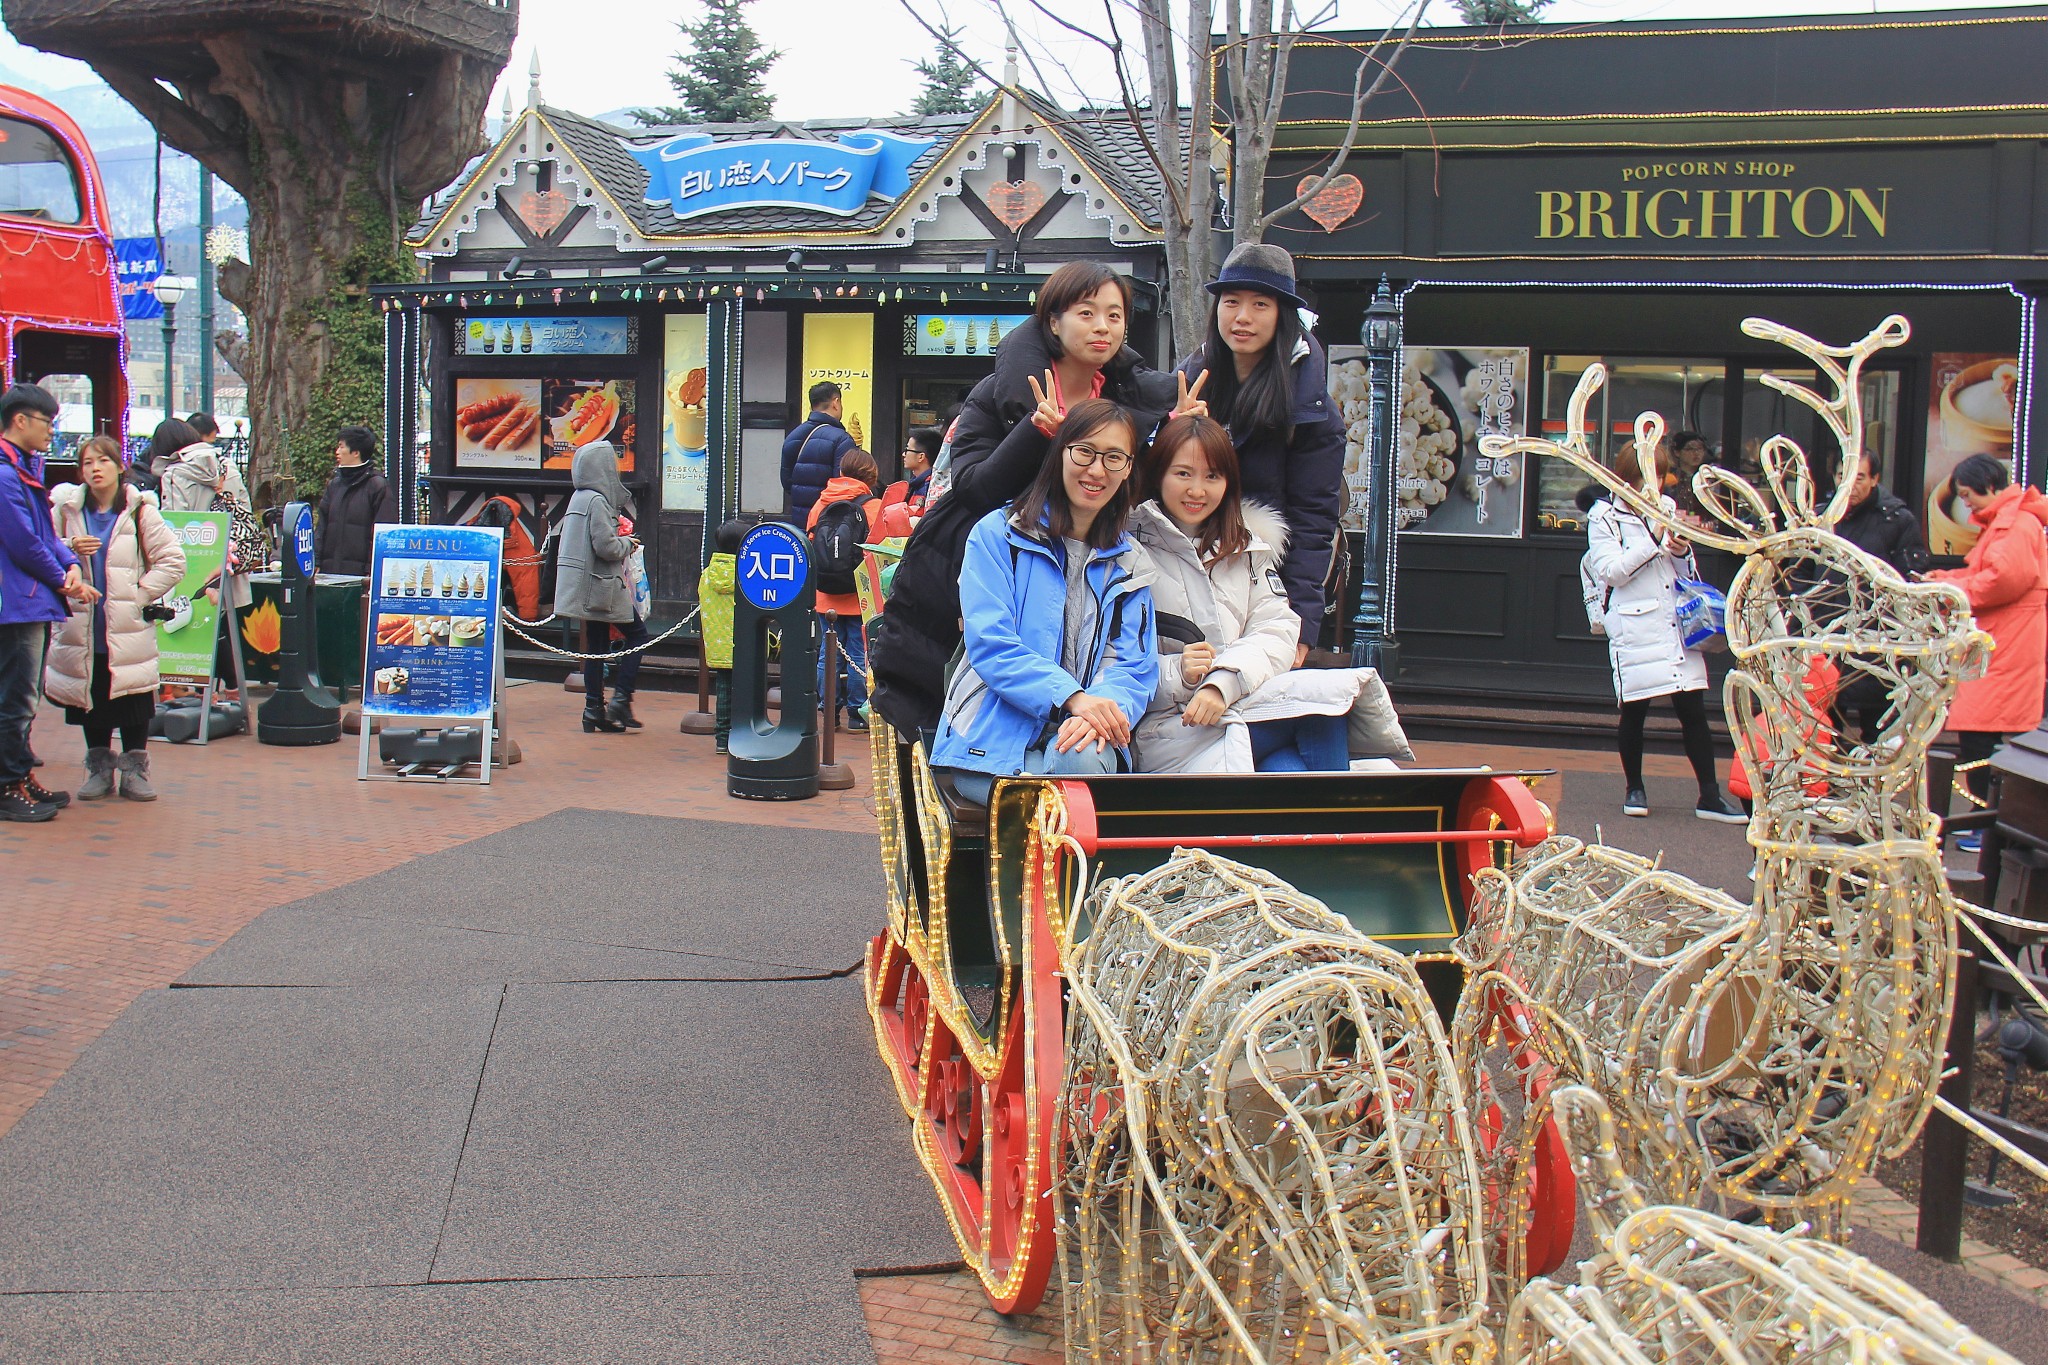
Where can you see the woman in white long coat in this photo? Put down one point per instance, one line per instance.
(1634, 570)
(1228, 697)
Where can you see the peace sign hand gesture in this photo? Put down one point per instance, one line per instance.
(1191, 403)
(1049, 414)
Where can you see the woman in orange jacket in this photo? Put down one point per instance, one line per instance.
(2005, 577)
(858, 475)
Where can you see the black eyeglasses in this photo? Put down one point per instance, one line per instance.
(1114, 461)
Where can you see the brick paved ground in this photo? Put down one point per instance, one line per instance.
(114, 899)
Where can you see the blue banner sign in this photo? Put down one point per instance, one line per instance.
(694, 175)
(774, 565)
(302, 541)
(140, 263)
(432, 646)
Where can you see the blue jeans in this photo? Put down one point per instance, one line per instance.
(21, 666)
(1041, 762)
(853, 668)
(1302, 744)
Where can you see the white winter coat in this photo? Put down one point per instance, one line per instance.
(139, 534)
(1239, 605)
(1644, 646)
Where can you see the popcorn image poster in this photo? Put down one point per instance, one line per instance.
(1446, 399)
(431, 649)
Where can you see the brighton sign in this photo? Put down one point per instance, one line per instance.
(695, 175)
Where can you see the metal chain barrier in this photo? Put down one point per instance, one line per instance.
(512, 623)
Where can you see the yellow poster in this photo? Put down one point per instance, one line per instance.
(841, 347)
(683, 387)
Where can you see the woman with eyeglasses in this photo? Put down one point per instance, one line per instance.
(1060, 655)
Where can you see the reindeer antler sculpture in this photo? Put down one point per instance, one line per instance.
(1771, 1052)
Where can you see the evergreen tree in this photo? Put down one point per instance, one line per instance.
(719, 79)
(948, 81)
(1487, 13)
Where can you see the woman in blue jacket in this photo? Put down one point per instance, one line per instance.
(1061, 651)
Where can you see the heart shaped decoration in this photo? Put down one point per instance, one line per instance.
(543, 212)
(1015, 202)
(1338, 200)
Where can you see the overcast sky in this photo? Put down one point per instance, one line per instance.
(597, 57)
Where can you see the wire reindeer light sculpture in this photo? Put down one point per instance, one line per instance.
(1679, 1286)
(1269, 1156)
(1766, 1053)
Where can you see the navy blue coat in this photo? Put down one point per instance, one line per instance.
(1301, 476)
(32, 560)
(810, 460)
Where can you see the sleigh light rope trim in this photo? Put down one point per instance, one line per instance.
(1770, 1052)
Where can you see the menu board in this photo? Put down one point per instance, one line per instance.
(547, 336)
(185, 643)
(1446, 400)
(958, 334)
(432, 645)
(542, 423)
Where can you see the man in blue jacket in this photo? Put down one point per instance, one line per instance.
(37, 573)
(810, 454)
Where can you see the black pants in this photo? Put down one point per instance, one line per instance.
(721, 688)
(1692, 721)
(597, 639)
(1972, 745)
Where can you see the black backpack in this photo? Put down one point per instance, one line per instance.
(836, 542)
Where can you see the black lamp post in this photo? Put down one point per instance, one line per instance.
(1372, 631)
(169, 289)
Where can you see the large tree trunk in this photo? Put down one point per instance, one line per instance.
(333, 155)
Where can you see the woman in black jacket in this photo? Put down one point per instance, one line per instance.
(357, 497)
(1077, 335)
(1268, 383)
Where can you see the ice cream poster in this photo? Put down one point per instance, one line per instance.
(1969, 412)
(684, 385)
(1445, 399)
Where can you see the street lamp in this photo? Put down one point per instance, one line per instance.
(169, 289)
(1372, 630)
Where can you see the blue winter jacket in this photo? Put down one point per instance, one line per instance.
(32, 559)
(810, 460)
(1013, 595)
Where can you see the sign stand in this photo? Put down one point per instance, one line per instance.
(776, 762)
(228, 627)
(434, 593)
(301, 711)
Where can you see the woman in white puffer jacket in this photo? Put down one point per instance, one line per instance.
(1635, 568)
(1228, 697)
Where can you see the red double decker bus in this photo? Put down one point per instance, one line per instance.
(60, 296)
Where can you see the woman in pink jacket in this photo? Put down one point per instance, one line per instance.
(2006, 579)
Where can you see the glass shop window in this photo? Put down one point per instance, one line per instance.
(1688, 394)
(37, 179)
(1767, 413)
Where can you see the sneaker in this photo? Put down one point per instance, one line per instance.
(17, 805)
(1719, 808)
(1635, 803)
(1970, 841)
(856, 724)
(38, 792)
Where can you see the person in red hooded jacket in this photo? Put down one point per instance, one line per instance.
(2005, 577)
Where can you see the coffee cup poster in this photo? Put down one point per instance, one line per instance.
(684, 375)
(1445, 399)
(1969, 412)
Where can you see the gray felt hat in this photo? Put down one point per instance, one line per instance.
(1259, 265)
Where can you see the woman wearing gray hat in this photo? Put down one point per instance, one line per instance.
(1266, 382)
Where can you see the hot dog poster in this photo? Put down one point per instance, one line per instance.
(498, 423)
(576, 412)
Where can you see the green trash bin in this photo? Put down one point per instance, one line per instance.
(338, 600)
